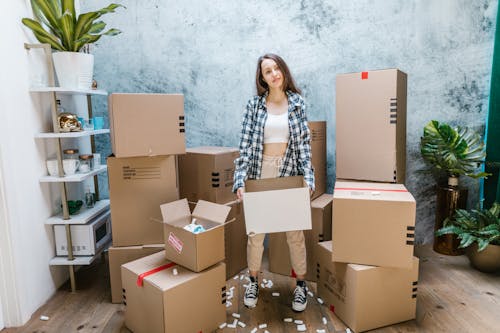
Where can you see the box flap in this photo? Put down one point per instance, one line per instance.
(174, 211)
(211, 211)
(211, 150)
(270, 184)
(322, 201)
(371, 191)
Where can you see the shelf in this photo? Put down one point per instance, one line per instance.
(83, 216)
(62, 90)
(77, 177)
(79, 134)
(77, 261)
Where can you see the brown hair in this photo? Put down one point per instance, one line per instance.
(288, 81)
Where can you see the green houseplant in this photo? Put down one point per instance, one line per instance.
(454, 152)
(479, 233)
(57, 24)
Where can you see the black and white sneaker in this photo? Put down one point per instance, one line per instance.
(251, 293)
(299, 302)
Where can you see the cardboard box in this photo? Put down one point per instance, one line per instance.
(284, 201)
(366, 297)
(122, 255)
(206, 173)
(318, 151)
(147, 124)
(167, 303)
(137, 188)
(235, 238)
(371, 126)
(373, 224)
(194, 251)
(279, 254)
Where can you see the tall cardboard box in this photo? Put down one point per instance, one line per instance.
(195, 251)
(366, 297)
(137, 188)
(318, 151)
(147, 124)
(235, 240)
(160, 301)
(371, 126)
(373, 224)
(284, 201)
(207, 173)
(122, 255)
(279, 254)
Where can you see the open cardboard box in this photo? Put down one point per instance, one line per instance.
(277, 205)
(194, 251)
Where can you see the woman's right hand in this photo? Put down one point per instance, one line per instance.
(239, 193)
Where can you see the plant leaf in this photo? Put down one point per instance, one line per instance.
(41, 34)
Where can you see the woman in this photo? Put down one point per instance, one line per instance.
(275, 142)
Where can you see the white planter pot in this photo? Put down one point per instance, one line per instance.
(74, 70)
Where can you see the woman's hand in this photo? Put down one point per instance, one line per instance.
(239, 193)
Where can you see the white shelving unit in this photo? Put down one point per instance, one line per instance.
(86, 215)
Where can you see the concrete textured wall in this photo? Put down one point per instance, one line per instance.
(207, 50)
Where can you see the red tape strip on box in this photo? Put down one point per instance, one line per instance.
(293, 274)
(364, 75)
(366, 189)
(140, 278)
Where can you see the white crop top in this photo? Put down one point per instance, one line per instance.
(276, 128)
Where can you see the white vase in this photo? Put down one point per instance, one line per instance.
(74, 70)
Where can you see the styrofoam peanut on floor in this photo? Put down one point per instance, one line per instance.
(320, 301)
(236, 277)
(254, 330)
(221, 326)
(310, 294)
(301, 328)
(324, 320)
(242, 324)
(288, 320)
(263, 326)
(264, 280)
(298, 322)
(263, 285)
(228, 304)
(275, 294)
(347, 330)
(320, 331)
(233, 325)
(236, 315)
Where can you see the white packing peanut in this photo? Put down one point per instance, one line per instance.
(324, 320)
(242, 324)
(245, 285)
(254, 330)
(44, 318)
(241, 277)
(228, 304)
(288, 320)
(232, 288)
(229, 297)
(266, 331)
(298, 322)
(310, 294)
(347, 330)
(221, 326)
(276, 294)
(233, 325)
(320, 301)
(236, 277)
(263, 285)
(263, 326)
(247, 278)
(264, 280)
(301, 328)
(269, 284)
(320, 331)
(236, 315)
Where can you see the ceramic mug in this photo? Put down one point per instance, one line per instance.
(52, 168)
(70, 166)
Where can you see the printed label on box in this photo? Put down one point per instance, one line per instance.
(175, 242)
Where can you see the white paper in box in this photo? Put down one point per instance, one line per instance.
(277, 205)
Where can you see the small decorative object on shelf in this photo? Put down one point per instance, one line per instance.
(86, 163)
(89, 198)
(74, 206)
(68, 122)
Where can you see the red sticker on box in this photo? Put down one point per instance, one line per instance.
(175, 242)
(364, 75)
(332, 308)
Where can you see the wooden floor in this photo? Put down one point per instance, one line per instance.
(452, 297)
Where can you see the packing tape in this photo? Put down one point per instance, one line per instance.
(141, 277)
(366, 189)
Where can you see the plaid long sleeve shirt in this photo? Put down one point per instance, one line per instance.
(297, 159)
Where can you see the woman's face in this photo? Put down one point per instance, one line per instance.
(271, 74)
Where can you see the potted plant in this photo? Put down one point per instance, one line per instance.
(479, 234)
(454, 152)
(57, 24)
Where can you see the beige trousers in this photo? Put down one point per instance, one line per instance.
(295, 239)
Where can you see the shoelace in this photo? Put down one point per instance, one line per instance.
(299, 295)
(251, 291)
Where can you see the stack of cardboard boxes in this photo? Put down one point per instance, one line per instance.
(367, 274)
(147, 133)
